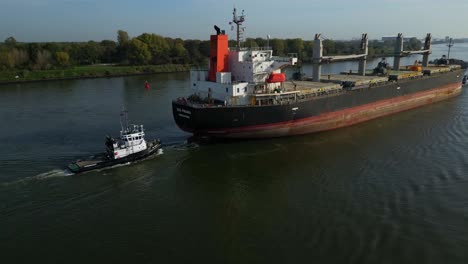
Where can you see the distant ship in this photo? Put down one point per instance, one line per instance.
(131, 146)
(244, 94)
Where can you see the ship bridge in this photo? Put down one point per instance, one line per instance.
(236, 73)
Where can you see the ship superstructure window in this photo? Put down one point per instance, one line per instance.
(227, 90)
(237, 90)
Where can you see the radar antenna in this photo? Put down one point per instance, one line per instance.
(238, 20)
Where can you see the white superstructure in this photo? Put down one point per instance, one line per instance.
(236, 74)
(132, 140)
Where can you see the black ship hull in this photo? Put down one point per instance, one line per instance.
(325, 112)
(101, 161)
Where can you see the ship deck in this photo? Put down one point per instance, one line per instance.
(332, 82)
(310, 86)
(357, 80)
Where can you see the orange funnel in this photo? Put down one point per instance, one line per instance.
(219, 54)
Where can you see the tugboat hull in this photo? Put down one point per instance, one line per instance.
(101, 161)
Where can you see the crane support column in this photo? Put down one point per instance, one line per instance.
(317, 58)
(364, 49)
(427, 46)
(398, 52)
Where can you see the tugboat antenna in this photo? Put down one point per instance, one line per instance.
(124, 115)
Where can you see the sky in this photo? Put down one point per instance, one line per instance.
(84, 20)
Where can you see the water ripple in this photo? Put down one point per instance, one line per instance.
(56, 173)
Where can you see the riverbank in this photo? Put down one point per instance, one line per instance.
(84, 72)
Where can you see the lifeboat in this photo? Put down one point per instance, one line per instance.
(416, 67)
(276, 78)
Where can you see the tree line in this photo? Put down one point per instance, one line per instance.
(153, 49)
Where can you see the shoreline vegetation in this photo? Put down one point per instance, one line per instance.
(87, 72)
(147, 54)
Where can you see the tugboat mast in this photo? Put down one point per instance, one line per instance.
(124, 120)
(238, 20)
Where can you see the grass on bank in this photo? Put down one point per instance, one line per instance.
(91, 71)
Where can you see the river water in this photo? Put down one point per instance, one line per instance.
(392, 190)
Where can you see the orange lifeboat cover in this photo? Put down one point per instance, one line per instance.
(276, 77)
(416, 68)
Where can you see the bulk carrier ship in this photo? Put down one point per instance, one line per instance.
(244, 94)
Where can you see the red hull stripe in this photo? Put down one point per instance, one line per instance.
(341, 118)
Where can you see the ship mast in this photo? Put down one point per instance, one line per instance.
(238, 20)
(449, 45)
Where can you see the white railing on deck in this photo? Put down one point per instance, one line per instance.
(250, 48)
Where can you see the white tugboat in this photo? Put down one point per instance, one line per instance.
(130, 147)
